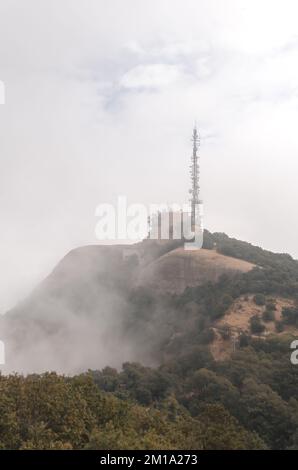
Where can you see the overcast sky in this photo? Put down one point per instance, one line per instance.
(101, 97)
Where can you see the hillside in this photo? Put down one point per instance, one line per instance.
(204, 338)
(145, 298)
(237, 323)
(83, 307)
(179, 269)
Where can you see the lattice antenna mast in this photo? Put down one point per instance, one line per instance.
(195, 175)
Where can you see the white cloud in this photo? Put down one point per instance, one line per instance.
(151, 76)
(203, 67)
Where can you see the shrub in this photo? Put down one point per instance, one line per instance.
(244, 340)
(260, 299)
(225, 333)
(271, 306)
(207, 336)
(256, 326)
(279, 326)
(290, 316)
(268, 315)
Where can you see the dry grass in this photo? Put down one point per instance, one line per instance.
(237, 320)
(180, 268)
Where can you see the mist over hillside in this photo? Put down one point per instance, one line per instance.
(105, 305)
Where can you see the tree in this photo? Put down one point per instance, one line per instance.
(290, 315)
(268, 315)
(266, 413)
(279, 326)
(256, 326)
(260, 299)
(222, 431)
